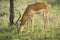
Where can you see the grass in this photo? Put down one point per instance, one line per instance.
(52, 33)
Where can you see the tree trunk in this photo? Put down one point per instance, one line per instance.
(11, 18)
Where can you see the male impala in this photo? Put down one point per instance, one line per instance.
(34, 9)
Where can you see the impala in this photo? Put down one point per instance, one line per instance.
(34, 9)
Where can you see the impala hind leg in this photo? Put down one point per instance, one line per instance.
(45, 18)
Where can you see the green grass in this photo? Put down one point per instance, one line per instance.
(52, 33)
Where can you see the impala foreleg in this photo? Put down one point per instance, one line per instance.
(32, 23)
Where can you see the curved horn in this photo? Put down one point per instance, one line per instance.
(19, 15)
